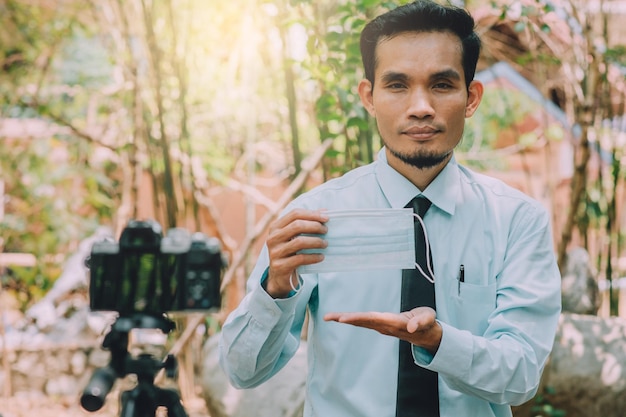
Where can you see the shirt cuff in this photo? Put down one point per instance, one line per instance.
(454, 355)
(285, 305)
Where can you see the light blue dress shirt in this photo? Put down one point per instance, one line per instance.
(498, 325)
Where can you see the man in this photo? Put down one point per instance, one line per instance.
(495, 280)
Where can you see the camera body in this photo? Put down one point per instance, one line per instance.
(148, 273)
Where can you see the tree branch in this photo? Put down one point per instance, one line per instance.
(307, 167)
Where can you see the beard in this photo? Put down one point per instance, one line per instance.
(420, 160)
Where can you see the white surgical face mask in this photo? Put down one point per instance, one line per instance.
(369, 239)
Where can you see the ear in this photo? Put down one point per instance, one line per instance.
(474, 96)
(367, 96)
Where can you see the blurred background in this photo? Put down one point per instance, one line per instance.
(212, 115)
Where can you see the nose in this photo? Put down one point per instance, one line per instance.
(420, 105)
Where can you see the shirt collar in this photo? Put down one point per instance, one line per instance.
(443, 192)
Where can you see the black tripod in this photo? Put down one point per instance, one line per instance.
(145, 398)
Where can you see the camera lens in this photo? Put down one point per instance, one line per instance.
(97, 389)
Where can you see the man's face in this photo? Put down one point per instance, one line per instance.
(420, 99)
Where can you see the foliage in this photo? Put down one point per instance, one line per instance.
(38, 171)
(334, 65)
(574, 50)
(500, 109)
(62, 65)
(196, 93)
(542, 406)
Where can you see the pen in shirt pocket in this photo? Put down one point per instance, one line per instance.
(461, 277)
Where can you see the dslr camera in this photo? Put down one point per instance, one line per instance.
(142, 277)
(148, 273)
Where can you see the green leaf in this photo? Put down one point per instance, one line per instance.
(358, 123)
(332, 153)
(369, 3)
(549, 389)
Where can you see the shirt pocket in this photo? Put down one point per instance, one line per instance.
(474, 304)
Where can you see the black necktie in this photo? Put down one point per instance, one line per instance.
(418, 391)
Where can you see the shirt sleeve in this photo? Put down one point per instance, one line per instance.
(504, 364)
(260, 336)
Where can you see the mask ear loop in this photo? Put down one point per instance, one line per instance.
(299, 280)
(431, 277)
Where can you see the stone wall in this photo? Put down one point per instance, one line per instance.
(56, 354)
(51, 369)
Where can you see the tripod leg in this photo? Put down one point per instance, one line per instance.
(171, 401)
(141, 401)
(128, 403)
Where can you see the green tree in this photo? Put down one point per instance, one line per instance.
(334, 66)
(569, 50)
(39, 162)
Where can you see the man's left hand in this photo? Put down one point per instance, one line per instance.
(417, 326)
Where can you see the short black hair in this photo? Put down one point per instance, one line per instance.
(422, 16)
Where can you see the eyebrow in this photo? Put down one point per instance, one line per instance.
(449, 73)
(394, 76)
(400, 76)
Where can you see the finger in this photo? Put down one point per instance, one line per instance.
(305, 242)
(285, 267)
(297, 235)
(287, 256)
(298, 249)
(413, 325)
(317, 216)
(292, 234)
(388, 324)
(286, 238)
(344, 317)
(332, 316)
(372, 320)
(348, 317)
(420, 319)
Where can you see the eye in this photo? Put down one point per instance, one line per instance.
(443, 86)
(395, 86)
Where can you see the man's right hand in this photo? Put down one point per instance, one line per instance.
(284, 240)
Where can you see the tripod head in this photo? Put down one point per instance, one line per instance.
(145, 398)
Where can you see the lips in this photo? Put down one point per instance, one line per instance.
(421, 132)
